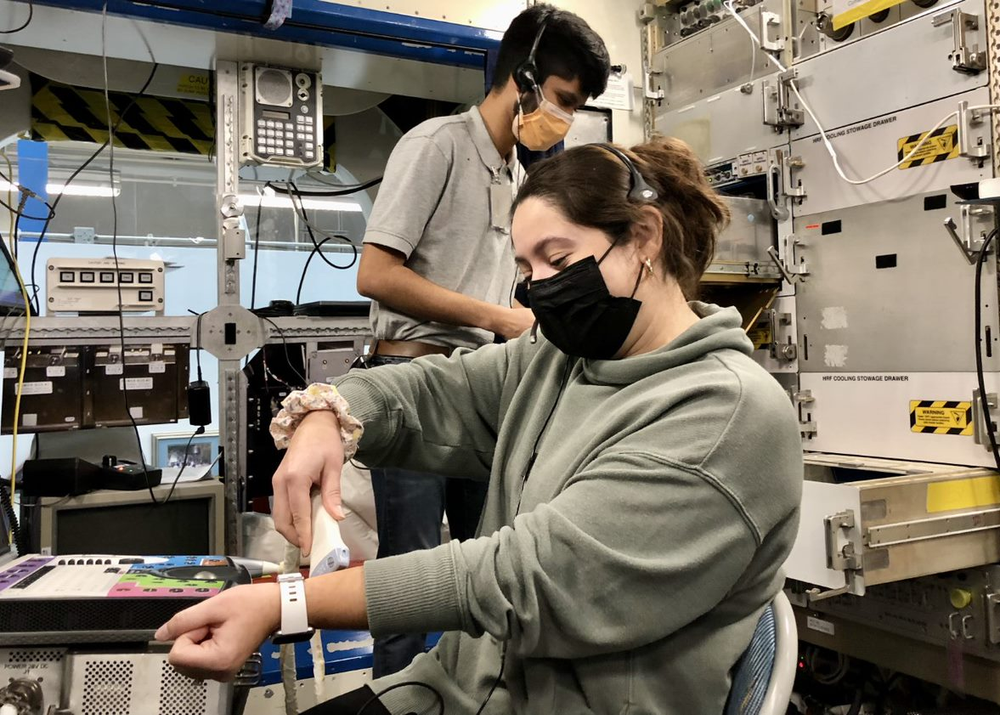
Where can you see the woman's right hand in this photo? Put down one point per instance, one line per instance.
(314, 458)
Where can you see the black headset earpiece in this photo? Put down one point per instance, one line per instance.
(526, 73)
(639, 190)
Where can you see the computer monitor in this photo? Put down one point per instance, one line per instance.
(11, 298)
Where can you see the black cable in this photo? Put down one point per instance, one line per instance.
(31, 16)
(88, 162)
(288, 355)
(340, 191)
(112, 127)
(187, 450)
(7, 503)
(305, 268)
(256, 253)
(297, 205)
(406, 683)
(983, 399)
(503, 660)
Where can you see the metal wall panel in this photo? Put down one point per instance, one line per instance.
(859, 415)
(870, 146)
(902, 66)
(914, 314)
(713, 59)
(722, 126)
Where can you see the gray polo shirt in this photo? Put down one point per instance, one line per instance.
(434, 207)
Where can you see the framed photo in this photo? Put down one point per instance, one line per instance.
(168, 450)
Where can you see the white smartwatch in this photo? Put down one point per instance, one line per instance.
(294, 615)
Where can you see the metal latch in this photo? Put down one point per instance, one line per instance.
(794, 268)
(839, 558)
(780, 106)
(781, 351)
(979, 433)
(965, 57)
(993, 618)
(968, 119)
(803, 398)
(781, 186)
(771, 35)
(969, 245)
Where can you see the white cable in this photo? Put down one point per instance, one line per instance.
(822, 131)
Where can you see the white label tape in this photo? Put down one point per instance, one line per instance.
(55, 371)
(117, 369)
(157, 367)
(37, 388)
(136, 383)
(820, 625)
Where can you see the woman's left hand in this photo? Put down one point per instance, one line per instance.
(214, 639)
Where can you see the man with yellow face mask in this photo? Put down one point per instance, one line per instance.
(437, 260)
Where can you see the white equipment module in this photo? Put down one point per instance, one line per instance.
(91, 285)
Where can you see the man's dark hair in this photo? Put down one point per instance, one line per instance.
(569, 49)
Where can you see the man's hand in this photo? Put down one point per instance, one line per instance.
(315, 457)
(512, 322)
(214, 639)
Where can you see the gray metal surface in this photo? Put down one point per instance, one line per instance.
(915, 317)
(714, 59)
(723, 125)
(872, 145)
(904, 65)
(922, 609)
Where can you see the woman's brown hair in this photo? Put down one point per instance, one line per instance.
(589, 185)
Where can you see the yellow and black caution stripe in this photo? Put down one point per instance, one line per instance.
(941, 145)
(941, 417)
(60, 112)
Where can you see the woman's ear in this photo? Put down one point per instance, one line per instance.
(647, 234)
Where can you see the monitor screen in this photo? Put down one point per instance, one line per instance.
(178, 527)
(11, 299)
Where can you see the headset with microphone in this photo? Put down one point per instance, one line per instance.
(639, 189)
(526, 73)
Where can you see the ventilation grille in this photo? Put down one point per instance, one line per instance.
(101, 619)
(180, 695)
(32, 655)
(107, 687)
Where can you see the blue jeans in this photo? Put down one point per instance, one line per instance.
(409, 507)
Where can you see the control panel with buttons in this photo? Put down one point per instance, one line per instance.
(282, 112)
(91, 285)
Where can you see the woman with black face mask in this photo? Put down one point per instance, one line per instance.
(644, 473)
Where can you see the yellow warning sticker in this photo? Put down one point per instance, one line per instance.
(941, 417)
(760, 336)
(963, 494)
(940, 145)
(194, 84)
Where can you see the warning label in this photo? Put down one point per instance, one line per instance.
(928, 417)
(940, 145)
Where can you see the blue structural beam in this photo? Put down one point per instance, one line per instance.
(319, 23)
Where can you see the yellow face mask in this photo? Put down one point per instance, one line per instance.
(542, 126)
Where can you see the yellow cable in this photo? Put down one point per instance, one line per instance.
(20, 386)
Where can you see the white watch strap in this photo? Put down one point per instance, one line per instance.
(294, 614)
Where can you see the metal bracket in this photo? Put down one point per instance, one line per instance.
(979, 433)
(993, 617)
(648, 92)
(798, 270)
(771, 39)
(807, 428)
(787, 351)
(968, 246)
(965, 58)
(967, 120)
(839, 558)
(780, 185)
(778, 101)
(251, 671)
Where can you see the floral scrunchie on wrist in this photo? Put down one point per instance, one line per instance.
(318, 396)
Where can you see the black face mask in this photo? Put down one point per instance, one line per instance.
(579, 315)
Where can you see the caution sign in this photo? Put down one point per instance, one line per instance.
(760, 336)
(941, 145)
(954, 418)
(60, 112)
